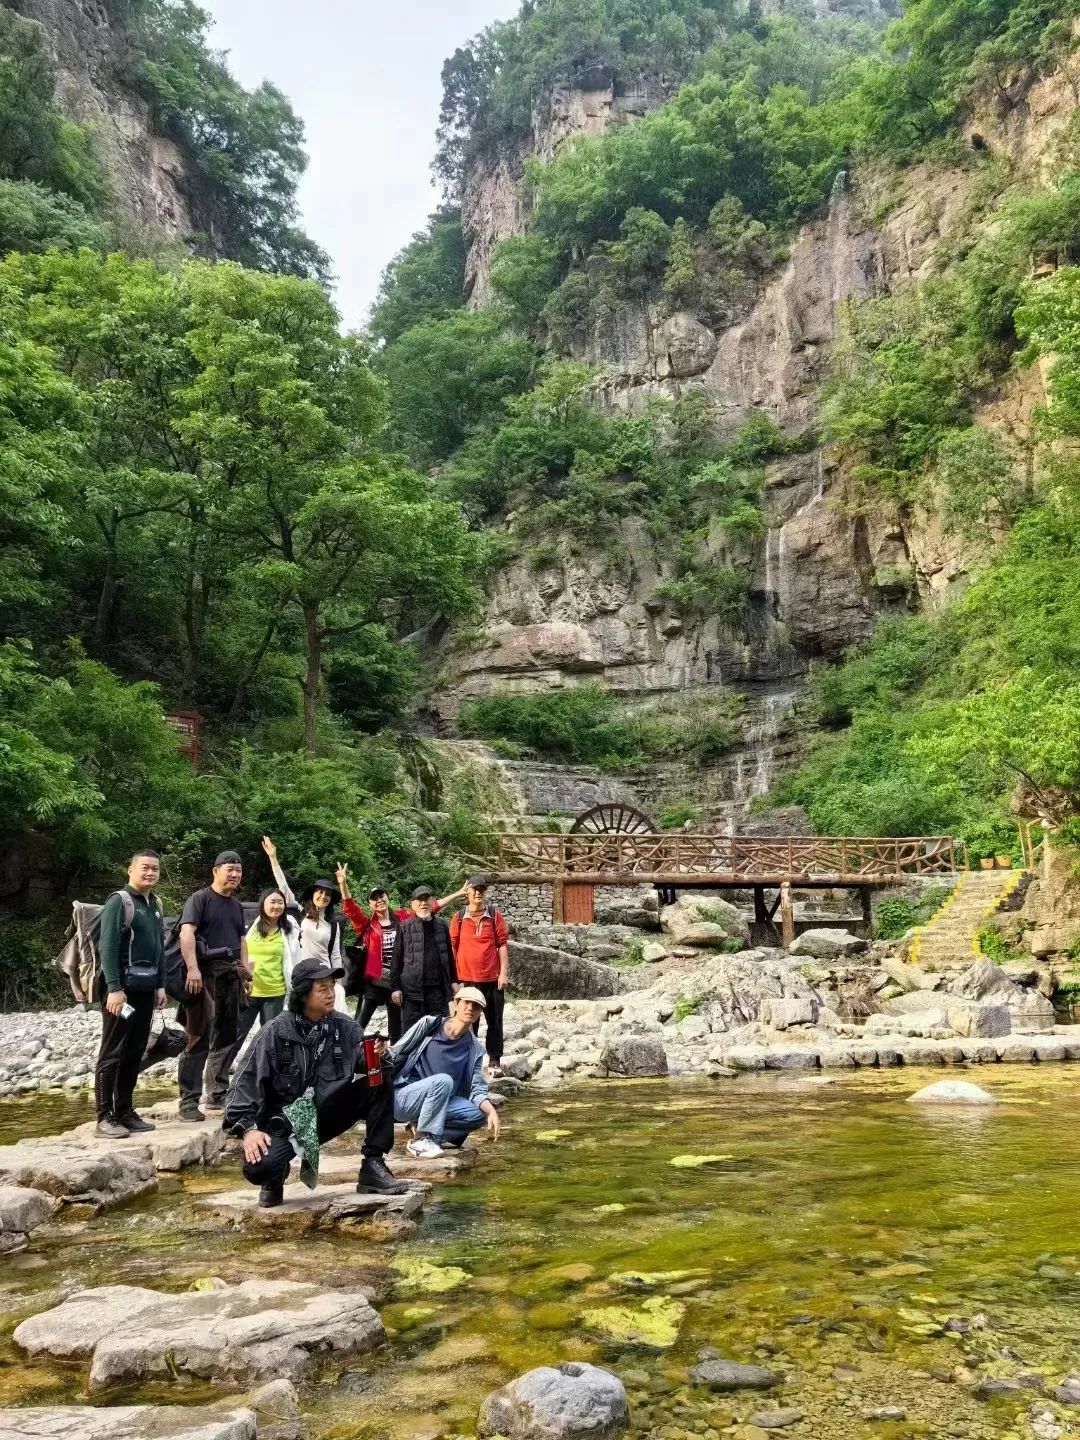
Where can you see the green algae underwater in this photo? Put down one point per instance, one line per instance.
(825, 1228)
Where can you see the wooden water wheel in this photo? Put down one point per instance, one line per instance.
(613, 818)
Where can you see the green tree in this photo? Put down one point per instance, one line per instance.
(34, 218)
(424, 281)
(448, 377)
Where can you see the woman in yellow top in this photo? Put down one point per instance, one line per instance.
(273, 947)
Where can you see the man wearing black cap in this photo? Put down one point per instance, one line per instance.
(310, 1047)
(422, 974)
(214, 951)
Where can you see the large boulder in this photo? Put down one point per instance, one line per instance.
(827, 944)
(541, 973)
(921, 1023)
(978, 1019)
(634, 1056)
(782, 1014)
(704, 921)
(1030, 1011)
(259, 1330)
(951, 1092)
(566, 1402)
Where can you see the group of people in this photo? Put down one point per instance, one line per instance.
(311, 1072)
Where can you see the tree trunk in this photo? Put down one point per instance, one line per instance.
(250, 672)
(312, 682)
(105, 619)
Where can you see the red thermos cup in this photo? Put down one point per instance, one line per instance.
(372, 1061)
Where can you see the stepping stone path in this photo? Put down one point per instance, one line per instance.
(242, 1334)
(172, 1146)
(389, 1217)
(272, 1411)
(77, 1173)
(21, 1210)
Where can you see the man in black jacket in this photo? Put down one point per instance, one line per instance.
(422, 973)
(310, 1046)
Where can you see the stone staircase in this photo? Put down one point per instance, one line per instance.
(948, 940)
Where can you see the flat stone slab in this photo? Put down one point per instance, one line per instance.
(128, 1422)
(259, 1330)
(77, 1173)
(327, 1204)
(272, 1411)
(339, 1163)
(172, 1146)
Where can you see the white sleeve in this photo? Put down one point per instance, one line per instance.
(282, 883)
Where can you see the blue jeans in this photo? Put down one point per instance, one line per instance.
(435, 1110)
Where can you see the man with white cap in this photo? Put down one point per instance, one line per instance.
(439, 1085)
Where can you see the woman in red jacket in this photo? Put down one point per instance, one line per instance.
(375, 935)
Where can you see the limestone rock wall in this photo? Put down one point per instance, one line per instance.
(492, 207)
(154, 195)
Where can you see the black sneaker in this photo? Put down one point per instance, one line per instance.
(377, 1179)
(269, 1196)
(191, 1115)
(111, 1129)
(136, 1124)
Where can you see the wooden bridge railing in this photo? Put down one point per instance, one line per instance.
(667, 858)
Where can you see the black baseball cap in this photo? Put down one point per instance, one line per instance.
(422, 892)
(227, 857)
(307, 972)
(478, 882)
(378, 892)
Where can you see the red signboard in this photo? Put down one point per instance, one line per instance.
(186, 724)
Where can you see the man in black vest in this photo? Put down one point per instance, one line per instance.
(422, 973)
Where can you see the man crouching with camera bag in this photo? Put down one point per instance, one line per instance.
(310, 1076)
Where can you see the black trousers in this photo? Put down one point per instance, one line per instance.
(263, 1008)
(493, 1016)
(429, 1001)
(122, 1046)
(353, 1101)
(374, 996)
(210, 1019)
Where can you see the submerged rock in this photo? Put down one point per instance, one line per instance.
(951, 1092)
(261, 1329)
(566, 1402)
(725, 1375)
(21, 1210)
(776, 1419)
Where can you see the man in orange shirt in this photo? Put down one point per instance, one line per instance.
(479, 938)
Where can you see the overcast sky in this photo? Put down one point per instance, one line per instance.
(364, 75)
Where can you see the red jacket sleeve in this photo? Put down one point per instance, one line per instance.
(502, 932)
(455, 931)
(355, 915)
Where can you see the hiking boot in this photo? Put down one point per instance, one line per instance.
(111, 1129)
(213, 1107)
(270, 1195)
(191, 1115)
(377, 1179)
(423, 1148)
(136, 1124)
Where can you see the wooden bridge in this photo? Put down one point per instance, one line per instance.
(576, 863)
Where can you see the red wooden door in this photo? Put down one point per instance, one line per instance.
(578, 903)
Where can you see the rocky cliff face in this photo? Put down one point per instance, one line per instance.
(492, 207)
(154, 195)
(821, 575)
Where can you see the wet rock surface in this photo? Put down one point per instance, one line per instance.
(269, 1413)
(327, 1205)
(951, 1092)
(565, 1402)
(728, 1375)
(78, 1172)
(258, 1330)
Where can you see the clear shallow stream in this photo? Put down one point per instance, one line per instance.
(843, 1228)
